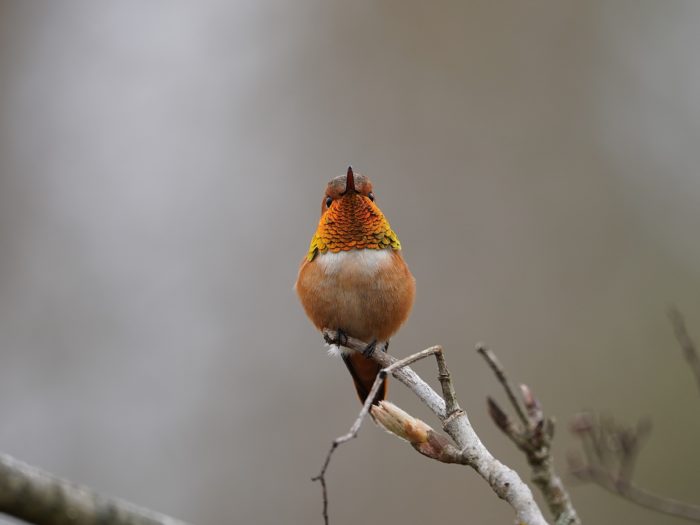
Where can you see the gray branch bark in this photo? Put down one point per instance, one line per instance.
(35, 496)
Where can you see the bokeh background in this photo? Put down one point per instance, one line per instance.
(161, 171)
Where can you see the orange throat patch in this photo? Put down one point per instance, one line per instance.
(352, 222)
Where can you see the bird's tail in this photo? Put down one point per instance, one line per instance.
(364, 371)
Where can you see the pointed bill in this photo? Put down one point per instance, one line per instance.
(349, 181)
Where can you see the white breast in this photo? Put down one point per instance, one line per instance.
(366, 261)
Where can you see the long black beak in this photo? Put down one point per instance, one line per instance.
(350, 182)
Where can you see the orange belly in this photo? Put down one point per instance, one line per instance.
(366, 293)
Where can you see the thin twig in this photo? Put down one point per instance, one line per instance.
(355, 428)
(500, 373)
(534, 437)
(35, 496)
(641, 497)
(412, 359)
(352, 433)
(448, 390)
(687, 345)
(610, 451)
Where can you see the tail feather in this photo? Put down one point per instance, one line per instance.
(364, 372)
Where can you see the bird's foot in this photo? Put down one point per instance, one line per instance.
(340, 339)
(369, 349)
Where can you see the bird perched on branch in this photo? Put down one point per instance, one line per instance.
(354, 280)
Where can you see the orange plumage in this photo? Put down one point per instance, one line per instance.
(354, 278)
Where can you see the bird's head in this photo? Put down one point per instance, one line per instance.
(350, 219)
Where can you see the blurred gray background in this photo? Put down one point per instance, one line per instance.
(161, 169)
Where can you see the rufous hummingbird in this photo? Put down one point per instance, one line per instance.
(353, 279)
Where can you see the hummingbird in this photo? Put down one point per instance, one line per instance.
(353, 279)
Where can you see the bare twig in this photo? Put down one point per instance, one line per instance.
(448, 390)
(610, 452)
(533, 435)
(687, 345)
(352, 433)
(355, 428)
(504, 481)
(37, 497)
(500, 373)
(640, 496)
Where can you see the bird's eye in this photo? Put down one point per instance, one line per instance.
(328, 202)
(371, 196)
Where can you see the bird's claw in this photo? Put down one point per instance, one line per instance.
(340, 339)
(369, 349)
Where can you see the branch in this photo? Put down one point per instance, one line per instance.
(610, 454)
(355, 428)
(686, 343)
(533, 435)
(37, 497)
(504, 481)
(610, 450)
